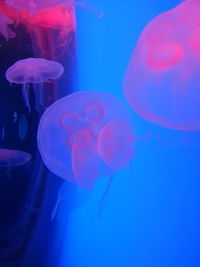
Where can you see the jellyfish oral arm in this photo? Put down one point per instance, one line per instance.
(25, 92)
(38, 91)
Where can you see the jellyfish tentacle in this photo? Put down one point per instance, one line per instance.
(62, 194)
(25, 92)
(38, 92)
(103, 197)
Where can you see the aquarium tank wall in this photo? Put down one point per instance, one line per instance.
(99, 133)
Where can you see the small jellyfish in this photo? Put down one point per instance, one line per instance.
(162, 81)
(69, 132)
(4, 27)
(12, 158)
(34, 71)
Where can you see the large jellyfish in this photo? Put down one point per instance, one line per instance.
(34, 71)
(162, 82)
(85, 136)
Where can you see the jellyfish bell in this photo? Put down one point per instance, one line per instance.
(34, 71)
(68, 134)
(161, 82)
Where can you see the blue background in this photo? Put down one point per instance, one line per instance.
(151, 213)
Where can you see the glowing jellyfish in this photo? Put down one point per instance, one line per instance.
(162, 81)
(12, 158)
(68, 136)
(4, 27)
(34, 71)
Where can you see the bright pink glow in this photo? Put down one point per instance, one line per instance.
(115, 144)
(162, 81)
(84, 159)
(58, 17)
(11, 158)
(68, 136)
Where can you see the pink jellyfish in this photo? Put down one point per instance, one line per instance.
(162, 81)
(11, 158)
(35, 71)
(85, 136)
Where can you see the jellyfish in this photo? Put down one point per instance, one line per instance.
(34, 71)
(5, 31)
(12, 158)
(69, 132)
(162, 81)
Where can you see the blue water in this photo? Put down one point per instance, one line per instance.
(151, 213)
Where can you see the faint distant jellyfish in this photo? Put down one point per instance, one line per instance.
(9, 157)
(34, 71)
(68, 136)
(15, 116)
(12, 158)
(162, 81)
(4, 27)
